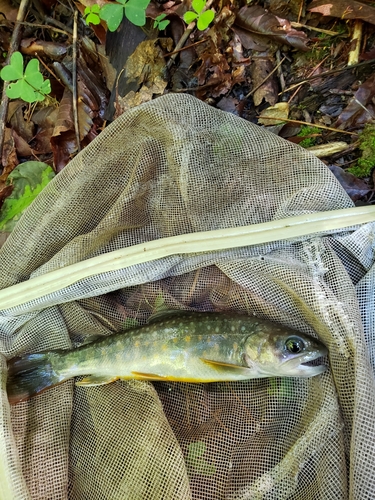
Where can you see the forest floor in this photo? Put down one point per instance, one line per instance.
(304, 70)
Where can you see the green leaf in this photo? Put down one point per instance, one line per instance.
(135, 11)
(21, 89)
(205, 19)
(198, 5)
(112, 14)
(28, 180)
(45, 88)
(14, 70)
(14, 90)
(189, 17)
(32, 74)
(93, 19)
(162, 25)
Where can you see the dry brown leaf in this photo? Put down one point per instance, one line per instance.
(356, 188)
(63, 140)
(279, 112)
(257, 20)
(9, 156)
(344, 9)
(360, 109)
(33, 46)
(259, 70)
(146, 64)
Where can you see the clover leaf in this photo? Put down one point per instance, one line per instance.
(204, 17)
(30, 85)
(92, 14)
(134, 10)
(159, 22)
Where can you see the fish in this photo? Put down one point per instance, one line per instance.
(185, 347)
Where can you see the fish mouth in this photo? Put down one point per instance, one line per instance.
(306, 365)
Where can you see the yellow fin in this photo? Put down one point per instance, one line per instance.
(148, 376)
(96, 380)
(222, 364)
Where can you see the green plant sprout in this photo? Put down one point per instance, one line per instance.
(308, 131)
(204, 17)
(364, 166)
(30, 86)
(92, 14)
(113, 13)
(160, 23)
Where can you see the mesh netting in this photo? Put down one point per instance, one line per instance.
(169, 167)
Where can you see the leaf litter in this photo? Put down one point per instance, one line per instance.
(276, 63)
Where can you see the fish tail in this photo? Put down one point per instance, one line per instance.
(29, 375)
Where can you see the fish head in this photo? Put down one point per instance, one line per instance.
(277, 351)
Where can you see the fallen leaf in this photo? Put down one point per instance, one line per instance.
(146, 64)
(8, 10)
(360, 109)
(27, 179)
(344, 9)
(279, 112)
(266, 86)
(356, 188)
(255, 19)
(63, 139)
(228, 104)
(33, 46)
(9, 155)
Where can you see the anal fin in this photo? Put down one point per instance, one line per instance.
(148, 376)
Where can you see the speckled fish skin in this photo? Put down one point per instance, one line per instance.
(188, 347)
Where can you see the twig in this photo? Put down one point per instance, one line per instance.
(176, 51)
(74, 77)
(313, 28)
(356, 41)
(60, 25)
(66, 31)
(279, 70)
(265, 79)
(327, 73)
(300, 85)
(14, 43)
(337, 130)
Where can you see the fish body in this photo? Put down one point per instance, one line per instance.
(185, 347)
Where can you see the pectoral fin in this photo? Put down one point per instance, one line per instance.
(222, 365)
(92, 380)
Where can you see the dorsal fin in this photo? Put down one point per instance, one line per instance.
(166, 314)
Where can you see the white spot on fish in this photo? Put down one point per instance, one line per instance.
(243, 328)
(217, 329)
(232, 328)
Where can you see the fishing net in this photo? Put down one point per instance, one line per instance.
(170, 167)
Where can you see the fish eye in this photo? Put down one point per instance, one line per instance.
(294, 345)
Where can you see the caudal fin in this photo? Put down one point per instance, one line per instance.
(29, 375)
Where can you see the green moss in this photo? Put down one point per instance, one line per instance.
(365, 164)
(308, 131)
